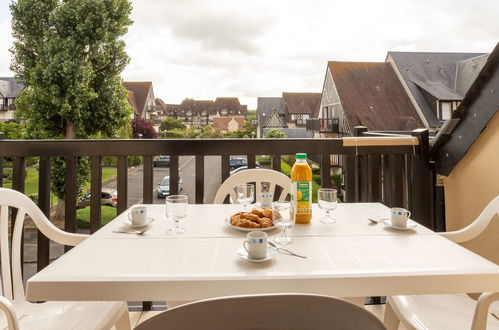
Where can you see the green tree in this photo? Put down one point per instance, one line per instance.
(69, 55)
(275, 133)
(13, 130)
(169, 124)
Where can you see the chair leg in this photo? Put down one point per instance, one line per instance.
(123, 323)
(390, 319)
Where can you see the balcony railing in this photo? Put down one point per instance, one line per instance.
(392, 170)
(321, 125)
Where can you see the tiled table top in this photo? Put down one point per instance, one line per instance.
(349, 258)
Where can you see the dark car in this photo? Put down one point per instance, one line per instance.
(161, 161)
(237, 162)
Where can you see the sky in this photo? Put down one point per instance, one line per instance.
(249, 48)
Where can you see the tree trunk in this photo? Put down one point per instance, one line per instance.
(60, 213)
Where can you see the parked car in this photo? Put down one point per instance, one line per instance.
(237, 162)
(161, 161)
(163, 189)
(240, 169)
(109, 197)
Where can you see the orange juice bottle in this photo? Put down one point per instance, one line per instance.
(301, 189)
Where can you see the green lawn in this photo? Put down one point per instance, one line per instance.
(31, 182)
(108, 213)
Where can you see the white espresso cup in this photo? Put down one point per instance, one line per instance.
(256, 244)
(400, 217)
(138, 215)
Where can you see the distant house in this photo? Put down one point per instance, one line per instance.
(10, 90)
(466, 154)
(141, 99)
(199, 113)
(436, 82)
(363, 94)
(288, 113)
(228, 124)
(270, 114)
(299, 107)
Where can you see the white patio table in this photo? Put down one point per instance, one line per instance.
(349, 258)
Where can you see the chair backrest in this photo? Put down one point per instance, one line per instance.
(11, 275)
(265, 312)
(254, 175)
(477, 226)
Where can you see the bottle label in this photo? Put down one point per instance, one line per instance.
(302, 197)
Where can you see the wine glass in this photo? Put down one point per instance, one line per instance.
(245, 194)
(176, 209)
(281, 218)
(328, 200)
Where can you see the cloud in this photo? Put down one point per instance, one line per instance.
(204, 49)
(5, 44)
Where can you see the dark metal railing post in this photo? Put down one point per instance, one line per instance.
(359, 173)
(43, 243)
(70, 196)
(95, 194)
(199, 189)
(421, 182)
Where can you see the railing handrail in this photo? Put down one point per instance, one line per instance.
(199, 147)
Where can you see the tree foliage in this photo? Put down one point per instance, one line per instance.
(275, 133)
(69, 55)
(169, 124)
(13, 130)
(144, 127)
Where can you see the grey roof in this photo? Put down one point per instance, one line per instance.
(467, 71)
(265, 106)
(10, 88)
(294, 133)
(478, 107)
(438, 89)
(427, 68)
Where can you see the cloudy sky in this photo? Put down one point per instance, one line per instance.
(204, 49)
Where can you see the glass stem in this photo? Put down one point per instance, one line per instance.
(284, 232)
(176, 225)
(327, 214)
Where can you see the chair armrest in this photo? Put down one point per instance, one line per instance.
(7, 307)
(482, 310)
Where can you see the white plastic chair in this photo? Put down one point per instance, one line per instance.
(21, 314)
(265, 312)
(449, 311)
(254, 175)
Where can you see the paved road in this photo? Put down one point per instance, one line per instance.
(187, 173)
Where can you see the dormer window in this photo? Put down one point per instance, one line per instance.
(203, 113)
(188, 113)
(445, 108)
(223, 112)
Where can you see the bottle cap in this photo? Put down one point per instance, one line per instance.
(301, 156)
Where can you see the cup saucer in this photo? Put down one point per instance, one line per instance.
(243, 254)
(128, 222)
(410, 224)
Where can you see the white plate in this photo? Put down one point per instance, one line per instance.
(243, 254)
(227, 222)
(410, 224)
(128, 222)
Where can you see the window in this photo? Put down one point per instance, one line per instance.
(223, 112)
(293, 117)
(446, 108)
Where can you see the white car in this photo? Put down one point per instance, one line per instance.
(242, 168)
(163, 189)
